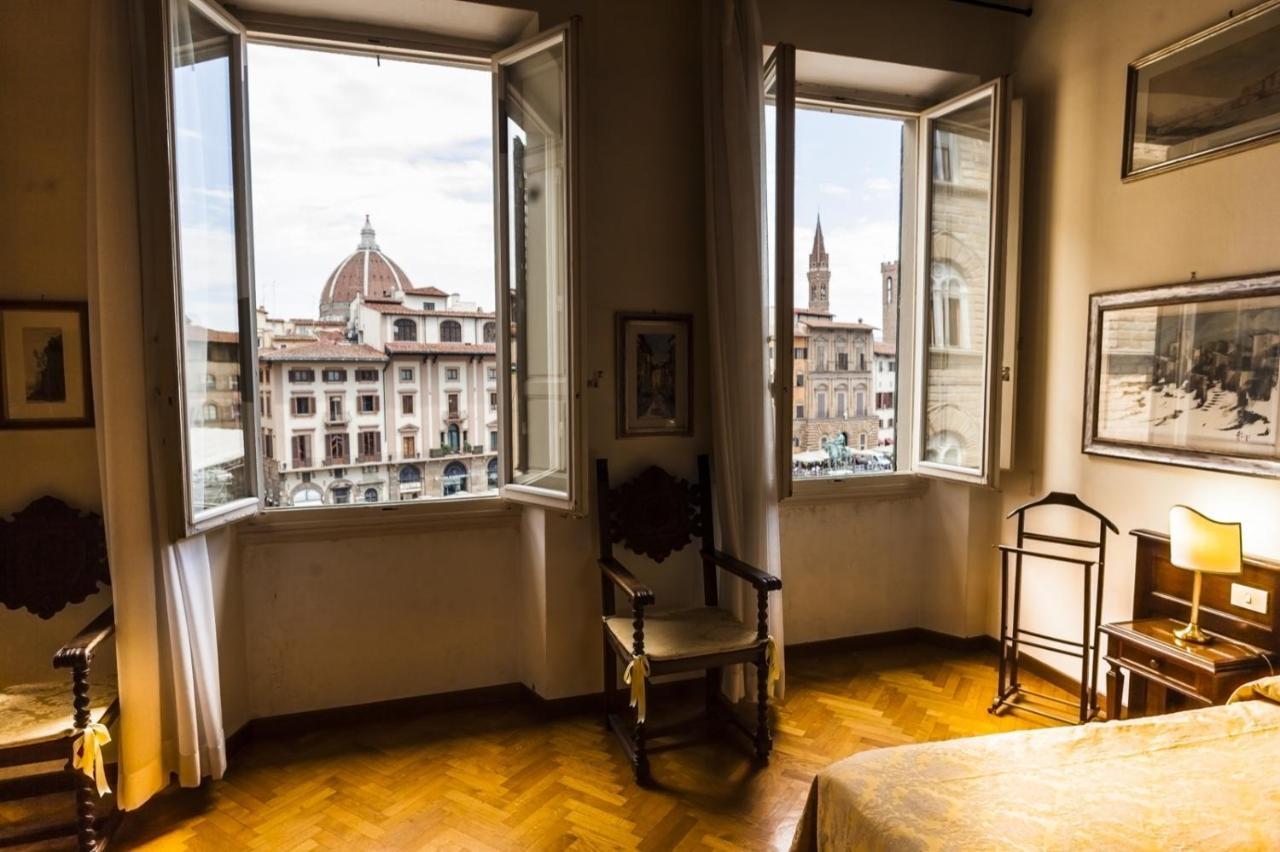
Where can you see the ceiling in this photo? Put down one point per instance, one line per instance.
(453, 18)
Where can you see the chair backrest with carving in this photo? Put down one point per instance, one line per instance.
(655, 514)
(51, 555)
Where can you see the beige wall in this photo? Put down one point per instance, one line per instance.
(312, 622)
(43, 113)
(1085, 232)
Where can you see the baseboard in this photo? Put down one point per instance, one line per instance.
(889, 637)
(518, 693)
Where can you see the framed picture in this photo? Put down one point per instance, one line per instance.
(44, 365)
(1211, 94)
(1186, 375)
(655, 374)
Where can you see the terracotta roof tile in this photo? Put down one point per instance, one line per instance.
(425, 291)
(404, 348)
(324, 352)
(885, 348)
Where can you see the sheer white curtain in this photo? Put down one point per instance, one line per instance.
(742, 419)
(166, 644)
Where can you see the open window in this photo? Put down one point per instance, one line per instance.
(539, 356)
(488, 398)
(887, 218)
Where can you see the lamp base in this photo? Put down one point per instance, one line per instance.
(1193, 633)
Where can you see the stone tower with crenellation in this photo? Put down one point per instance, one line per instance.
(889, 291)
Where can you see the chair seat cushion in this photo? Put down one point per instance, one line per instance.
(32, 713)
(672, 633)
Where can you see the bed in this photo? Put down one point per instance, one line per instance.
(1200, 779)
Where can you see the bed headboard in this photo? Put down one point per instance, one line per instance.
(1159, 589)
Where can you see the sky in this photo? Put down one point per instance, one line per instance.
(333, 137)
(848, 169)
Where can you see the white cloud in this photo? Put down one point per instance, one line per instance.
(880, 184)
(335, 137)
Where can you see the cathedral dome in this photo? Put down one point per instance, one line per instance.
(366, 271)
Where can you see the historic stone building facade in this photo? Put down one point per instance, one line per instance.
(391, 395)
(833, 369)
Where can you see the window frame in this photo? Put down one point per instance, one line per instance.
(910, 474)
(157, 191)
(572, 500)
(161, 267)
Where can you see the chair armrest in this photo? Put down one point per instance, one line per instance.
(80, 649)
(762, 580)
(625, 580)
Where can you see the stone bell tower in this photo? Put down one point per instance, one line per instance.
(889, 292)
(819, 273)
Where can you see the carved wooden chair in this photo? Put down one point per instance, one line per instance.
(50, 556)
(654, 515)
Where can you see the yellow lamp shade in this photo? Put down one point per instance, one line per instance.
(1197, 543)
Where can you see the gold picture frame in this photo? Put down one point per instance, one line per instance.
(45, 380)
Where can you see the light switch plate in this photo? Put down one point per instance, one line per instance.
(1247, 597)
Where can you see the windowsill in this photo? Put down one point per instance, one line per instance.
(874, 486)
(356, 520)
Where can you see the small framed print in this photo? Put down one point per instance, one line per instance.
(44, 365)
(655, 374)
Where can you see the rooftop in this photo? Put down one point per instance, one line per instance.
(324, 352)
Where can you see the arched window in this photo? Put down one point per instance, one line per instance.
(820, 362)
(406, 329)
(840, 404)
(859, 404)
(409, 474)
(822, 404)
(888, 290)
(308, 495)
(493, 473)
(490, 332)
(208, 412)
(948, 307)
(455, 437)
(371, 495)
(454, 480)
(210, 383)
(450, 331)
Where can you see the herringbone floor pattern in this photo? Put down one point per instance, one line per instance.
(502, 778)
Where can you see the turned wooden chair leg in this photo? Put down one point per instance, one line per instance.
(86, 813)
(609, 687)
(764, 742)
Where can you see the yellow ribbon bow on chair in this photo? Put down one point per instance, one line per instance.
(775, 667)
(635, 679)
(87, 754)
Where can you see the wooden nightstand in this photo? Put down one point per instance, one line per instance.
(1169, 674)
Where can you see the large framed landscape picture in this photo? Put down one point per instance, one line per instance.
(655, 374)
(44, 365)
(1187, 375)
(1213, 93)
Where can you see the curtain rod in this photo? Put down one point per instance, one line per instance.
(999, 7)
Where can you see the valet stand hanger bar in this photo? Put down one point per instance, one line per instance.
(1011, 695)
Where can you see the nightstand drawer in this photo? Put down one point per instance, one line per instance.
(1140, 661)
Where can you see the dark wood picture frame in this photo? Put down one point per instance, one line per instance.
(622, 339)
(81, 310)
(1265, 16)
(1265, 286)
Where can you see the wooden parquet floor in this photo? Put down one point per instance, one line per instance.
(504, 778)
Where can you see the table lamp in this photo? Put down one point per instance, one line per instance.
(1205, 546)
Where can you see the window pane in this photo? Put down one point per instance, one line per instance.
(210, 287)
(535, 128)
(844, 371)
(355, 234)
(958, 286)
